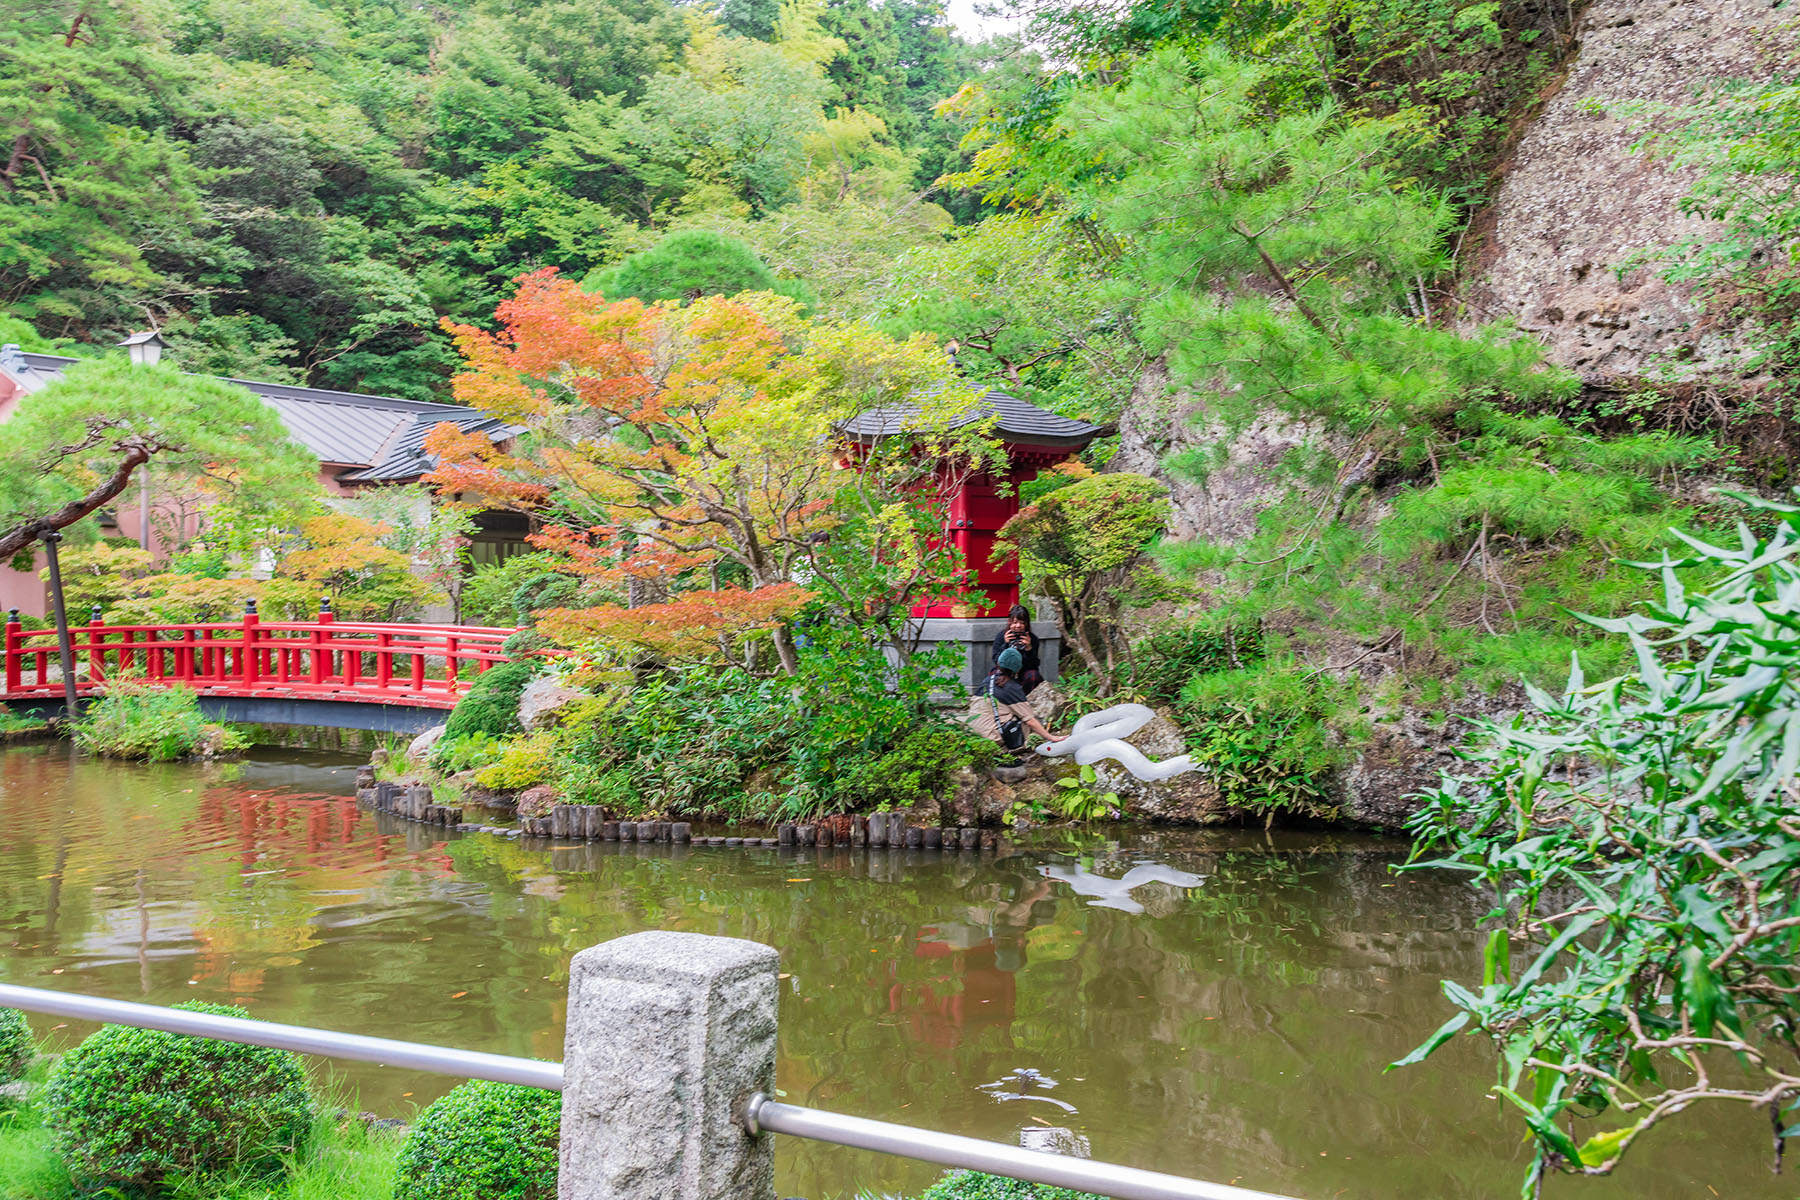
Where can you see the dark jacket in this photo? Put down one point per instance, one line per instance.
(1030, 656)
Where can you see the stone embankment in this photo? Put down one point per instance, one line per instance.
(590, 823)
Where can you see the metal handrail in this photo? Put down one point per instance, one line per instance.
(972, 1154)
(761, 1114)
(466, 1064)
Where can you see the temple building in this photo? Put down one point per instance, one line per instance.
(980, 503)
(360, 442)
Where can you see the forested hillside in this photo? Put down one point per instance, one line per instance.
(1432, 314)
(301, 189)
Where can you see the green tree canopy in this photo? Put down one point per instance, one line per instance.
(686, 266)
(1275, 255)
(1082, 544)
(72, 448)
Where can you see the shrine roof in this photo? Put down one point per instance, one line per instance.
(1015, 421)
(380, 439)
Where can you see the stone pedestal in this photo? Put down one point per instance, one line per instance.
(974, 640)
(668, 1035)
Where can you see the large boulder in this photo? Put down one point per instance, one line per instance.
(543, 700)
(1578, 201)
(1406, 753)
(979, 799)
(1189, 799)
(1244, 481)
(538, 801)
(1046, 701)
(421, 747)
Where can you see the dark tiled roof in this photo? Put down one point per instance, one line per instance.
(1015, 421)
(384, 435)
(406, 457)
(33, 371)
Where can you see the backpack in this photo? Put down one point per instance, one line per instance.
(1012, 733)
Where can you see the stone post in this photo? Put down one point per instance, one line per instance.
(668, 1035)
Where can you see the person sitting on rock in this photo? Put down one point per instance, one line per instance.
(1000, 699)
(1018, 635)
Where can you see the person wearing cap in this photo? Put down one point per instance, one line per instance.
(1001, 697)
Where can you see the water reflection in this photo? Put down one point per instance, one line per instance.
(1212, 1004)
(1121, 894)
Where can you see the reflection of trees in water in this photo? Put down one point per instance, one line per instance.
(1208, 1025)
(184, 872)
(1209, 1033)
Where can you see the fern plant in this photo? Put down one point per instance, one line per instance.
(1079, 801)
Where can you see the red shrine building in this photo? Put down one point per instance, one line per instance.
(1035, 440)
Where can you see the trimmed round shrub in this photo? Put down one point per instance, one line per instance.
(16, 1046)
(973, 1185)
(550, 589)
(524, 642)
(491, 705)
(482, 1141)
(131, 1108)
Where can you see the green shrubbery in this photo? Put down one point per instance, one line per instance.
(343, 1160)
(161, 724)
(524, 763)
(492, 593)
(923, 763)
(1162, 663)
(1266, 734)
(1637, 837)
(14, 722)
(131, 1108)
(16, 1046)
(973, 1185)
(453, 755)
(483, 1141)
(846, 732)
(491, 705)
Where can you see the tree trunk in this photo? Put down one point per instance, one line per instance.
(1074, 621)
(785, 651)
(27, 532)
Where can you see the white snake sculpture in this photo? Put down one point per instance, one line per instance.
(1102, 735)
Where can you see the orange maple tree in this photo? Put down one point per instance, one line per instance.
(687, 449)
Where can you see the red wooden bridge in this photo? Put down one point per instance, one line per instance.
(401, 676)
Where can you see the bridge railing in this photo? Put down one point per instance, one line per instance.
(370, 660)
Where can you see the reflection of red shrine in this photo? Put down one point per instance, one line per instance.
(972, 994)
(1035, 439)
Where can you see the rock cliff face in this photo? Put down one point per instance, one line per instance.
(1577, 202)
(1240, 484)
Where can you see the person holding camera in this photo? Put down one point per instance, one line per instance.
(1018, 636)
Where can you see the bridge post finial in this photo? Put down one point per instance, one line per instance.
(324, 604)
(249, 605)
(94, 616)
(15, 662)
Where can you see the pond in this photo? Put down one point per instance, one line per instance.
(1217, 1004)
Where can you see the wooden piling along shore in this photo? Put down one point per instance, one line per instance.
(590, 823)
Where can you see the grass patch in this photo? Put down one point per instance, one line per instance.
(13, 722)
(343, 1160)
(393, 766)
(136, 720)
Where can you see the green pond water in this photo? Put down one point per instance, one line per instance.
(1217, 1004)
